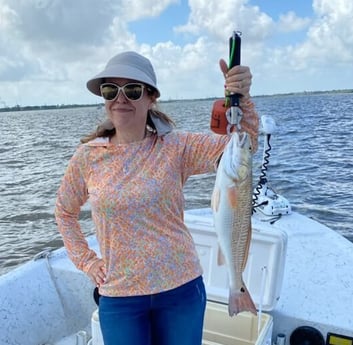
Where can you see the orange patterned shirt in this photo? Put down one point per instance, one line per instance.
(137, 203)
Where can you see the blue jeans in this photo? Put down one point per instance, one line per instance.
(173, 317)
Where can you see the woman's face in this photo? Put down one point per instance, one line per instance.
(125, 113)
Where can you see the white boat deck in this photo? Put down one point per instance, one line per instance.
(317, 287)
(47, 299)
(318, 281)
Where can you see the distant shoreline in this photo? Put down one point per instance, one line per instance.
(306, 93)
(100, 105)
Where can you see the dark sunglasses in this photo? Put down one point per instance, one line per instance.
(132, 91)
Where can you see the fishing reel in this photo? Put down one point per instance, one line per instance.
(265, 199)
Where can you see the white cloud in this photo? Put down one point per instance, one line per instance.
(332, 33)
(74, 23)
(49, 48)
(291, 22)
(219, 19)
(323, 60)
(133, 10)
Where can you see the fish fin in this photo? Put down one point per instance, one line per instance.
(232, 194)
(220, 258)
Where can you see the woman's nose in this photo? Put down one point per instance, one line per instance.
(121, 97)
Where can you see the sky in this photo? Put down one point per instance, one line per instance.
(50, 48)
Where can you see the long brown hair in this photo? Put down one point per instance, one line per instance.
(107, 129)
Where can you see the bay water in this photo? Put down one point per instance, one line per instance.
(311, 164)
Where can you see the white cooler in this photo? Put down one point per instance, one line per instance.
(263, 276)
(242, 329)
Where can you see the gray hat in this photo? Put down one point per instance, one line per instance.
(129, 65)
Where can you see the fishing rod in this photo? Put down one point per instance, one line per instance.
(234, 98)
(226, 113)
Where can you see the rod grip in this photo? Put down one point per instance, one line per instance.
(234, 49)
(234, 60)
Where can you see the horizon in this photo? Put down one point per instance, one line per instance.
(19, 107)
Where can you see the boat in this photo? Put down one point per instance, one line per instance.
(299, 273)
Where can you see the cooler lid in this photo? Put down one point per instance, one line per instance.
(264, 271)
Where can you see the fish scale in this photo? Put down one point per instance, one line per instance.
(232, 207)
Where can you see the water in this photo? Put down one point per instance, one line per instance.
(311, 164)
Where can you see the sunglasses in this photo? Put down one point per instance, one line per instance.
(132, 91)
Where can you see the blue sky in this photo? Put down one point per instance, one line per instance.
(274, 8)
(157, 29)
(50, 48)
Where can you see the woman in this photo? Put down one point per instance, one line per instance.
(132, 170)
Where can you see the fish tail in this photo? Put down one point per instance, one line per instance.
(240, 300)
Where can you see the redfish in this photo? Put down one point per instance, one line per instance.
(232, 208)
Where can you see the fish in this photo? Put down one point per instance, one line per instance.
(231, 204)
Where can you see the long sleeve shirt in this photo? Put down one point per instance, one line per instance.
(137, 204)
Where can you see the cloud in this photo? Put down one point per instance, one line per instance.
(219, 19)
(331, 35)
(322, 60)
(39, 37)
(132, 10)
(49, 48)
(76, 22)
(291, 22)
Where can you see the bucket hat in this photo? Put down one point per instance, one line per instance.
(129, 65)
